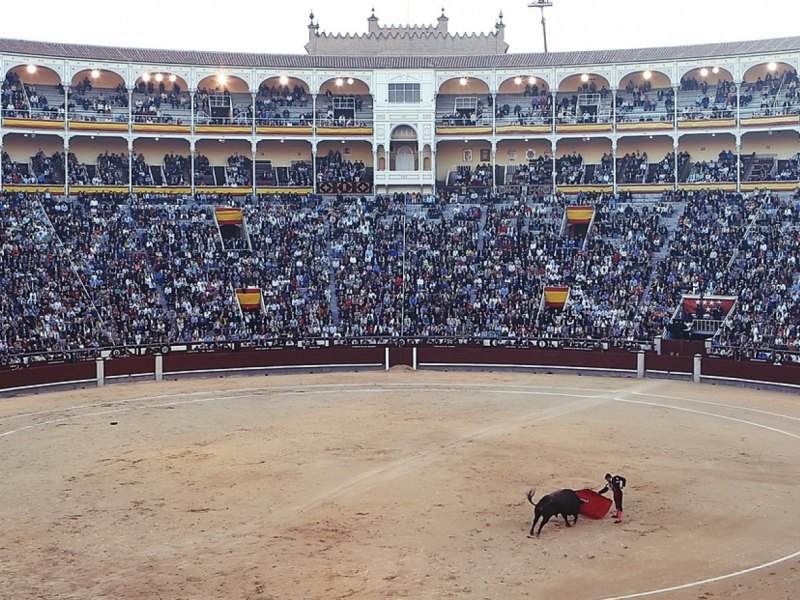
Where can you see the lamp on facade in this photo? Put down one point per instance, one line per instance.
(647, 75)
(283, 79)
(703, 72)
(339, 82)
(159, 77)
(772, 66)
(584, 77)
(173, 78)
(145, 77)
(31, 69)
(95, 73)
(463, 81)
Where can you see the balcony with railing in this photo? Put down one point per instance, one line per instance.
(461, 115)
(350, 115)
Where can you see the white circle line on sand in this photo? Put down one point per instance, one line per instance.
(265, 390)
(718, 578)
(283, 392)
(720, 404)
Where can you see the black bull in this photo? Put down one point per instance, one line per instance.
(565, 503)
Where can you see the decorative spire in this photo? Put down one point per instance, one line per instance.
(499, 24)
(311, 17)
(372, 23)
(443, 16)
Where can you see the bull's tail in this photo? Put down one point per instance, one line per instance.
(530, 497)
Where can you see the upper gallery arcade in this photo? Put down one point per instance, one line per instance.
(403, 108)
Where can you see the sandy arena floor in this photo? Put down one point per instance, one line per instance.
(396, 485)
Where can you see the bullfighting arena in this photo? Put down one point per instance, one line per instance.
(397, 484)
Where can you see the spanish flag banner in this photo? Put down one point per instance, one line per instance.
(556, 296)
(229, 216)
(249, 299)
(579, 214)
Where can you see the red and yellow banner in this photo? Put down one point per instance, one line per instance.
(707, 124)
(775, 120)
(229, 216)
(224, 190)
(582, 127)
(163, 190)
(556, 296)
(249, 299)
(284, 130)
(773, 186)
(577, 215)
(97, 126)
(34, 189)
(340, 131)
(284, 190)
(725, 186)
(523, 129)
(215, 129)
(645, 188)
(463, 130)
(160, 128)
(577, 189)
(644, 125)
(33, 123)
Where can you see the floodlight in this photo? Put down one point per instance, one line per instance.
(715, 70)
(339, 81)
(283, 79)
(647, 75)
(145, 77)
(159, 77)
(95, 73)
(173, 78)
(518, 80)
(350, 81)
(31, 69)
(463, 81)
(703, 72)
(584, 78)
(772, 66)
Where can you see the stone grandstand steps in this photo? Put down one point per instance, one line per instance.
(220, 177)
(67, 253)
(333, 298)
(671, 223)
(141, 234)
(157, 175)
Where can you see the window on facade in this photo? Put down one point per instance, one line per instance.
(404, 92)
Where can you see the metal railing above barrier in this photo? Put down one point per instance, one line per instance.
(89, 354)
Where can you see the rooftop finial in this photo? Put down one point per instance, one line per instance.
(499, 23)
(443, 15)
